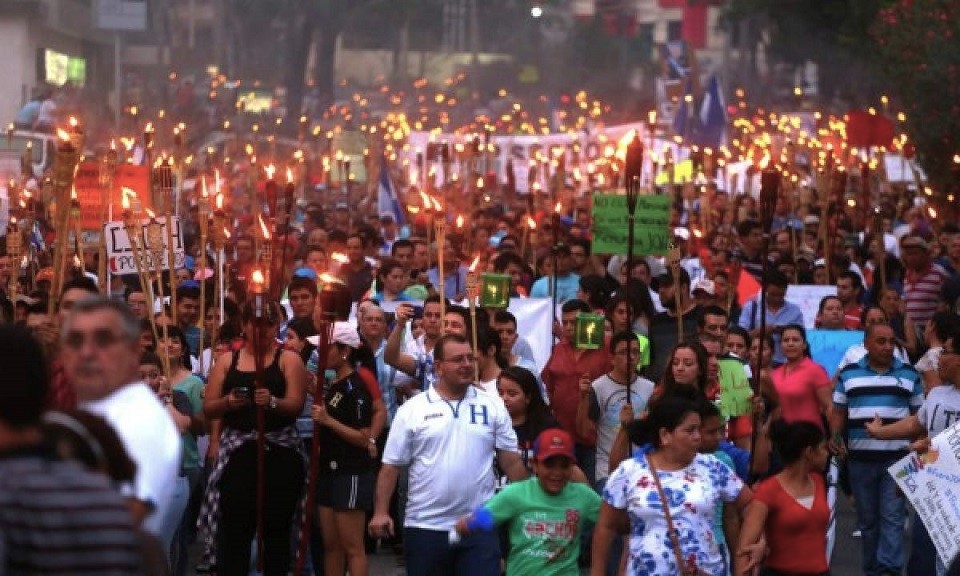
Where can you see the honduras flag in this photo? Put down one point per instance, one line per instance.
(387, 200)
(713, 116)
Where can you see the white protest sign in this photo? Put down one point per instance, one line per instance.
(931, 482)
(807, 297)
(120, 257)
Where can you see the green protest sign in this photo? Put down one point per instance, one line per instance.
(735, 390)
(651, 230)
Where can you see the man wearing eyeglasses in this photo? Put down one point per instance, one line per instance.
(448, 436)
(100, 342)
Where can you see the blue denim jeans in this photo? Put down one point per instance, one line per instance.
(881, 514)
(429, 553)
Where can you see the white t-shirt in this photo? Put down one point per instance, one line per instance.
(150, 438)
(607, 398)
(940, 410)
(449, 447)
(856, 353)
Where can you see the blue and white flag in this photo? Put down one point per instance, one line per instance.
(713, 116)
(387, 200)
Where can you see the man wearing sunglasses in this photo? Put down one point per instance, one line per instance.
(100, 343)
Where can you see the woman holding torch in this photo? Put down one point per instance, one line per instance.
(232, 396)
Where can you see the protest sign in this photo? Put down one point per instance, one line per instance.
(827, 347)
(120, 257)
(807, 297)
(931, 482)
(136, 178)
(651, 228)
(735, 390)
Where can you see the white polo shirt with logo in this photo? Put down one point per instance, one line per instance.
(449, 447)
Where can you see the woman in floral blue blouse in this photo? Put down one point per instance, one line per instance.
(692, 484)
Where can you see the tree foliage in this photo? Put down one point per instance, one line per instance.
(917, 41)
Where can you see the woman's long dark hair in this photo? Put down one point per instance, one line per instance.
(176, 333)
(539, 415)
(669, 384)
(664, 413)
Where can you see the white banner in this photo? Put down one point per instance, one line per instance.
(120, 255)
(931, 482)
(807, 297)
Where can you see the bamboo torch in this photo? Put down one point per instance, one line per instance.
(155, 247)
(473, 290)
(203, 213)
(260, 317)
(440, 228)
(165, 183)
(108, 166)
(219, 240)
(65, 164)
(14, 251)
(327, 299)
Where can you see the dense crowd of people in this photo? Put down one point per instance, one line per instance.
(131, 436)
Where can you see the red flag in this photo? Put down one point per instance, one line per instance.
(747, 288)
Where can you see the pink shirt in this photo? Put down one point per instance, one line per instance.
(798, 391)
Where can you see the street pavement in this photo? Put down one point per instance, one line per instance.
(845, 562)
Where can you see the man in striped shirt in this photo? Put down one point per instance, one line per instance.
(877, 385)
(924, 279)
(56, 517)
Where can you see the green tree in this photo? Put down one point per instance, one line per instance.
(918, 42)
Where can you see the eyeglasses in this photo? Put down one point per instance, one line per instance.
(462, 359)
(101, 338)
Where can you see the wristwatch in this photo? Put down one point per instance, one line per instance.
(273, 402)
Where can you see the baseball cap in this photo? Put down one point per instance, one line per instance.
(306, 273)
(914, 241)
(705, 285)
(345, 333)
(554, 442)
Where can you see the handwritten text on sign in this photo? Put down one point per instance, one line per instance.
(611, 222)
(120, 256)
(931, 483)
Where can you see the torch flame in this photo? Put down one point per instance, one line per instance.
(124, 199)
(113, 144)
(73, 122)
(149, 127)
(413, 209)
(338, 257)
(558, 208)
(263, 228)
(216, 180)
(473, 265)
(460, 221)
(289, 176)
(531, 223)
(226, 233)
(270, 169)
(480, 182)
(436, 204)
(425, 200)
(258, 278)
(203, 188)
(76, 261)
(63, 134)
(150, 213)
(219, 201)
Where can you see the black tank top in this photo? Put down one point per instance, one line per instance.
(246, 419)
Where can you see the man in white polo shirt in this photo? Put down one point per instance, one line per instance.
(448, 436)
